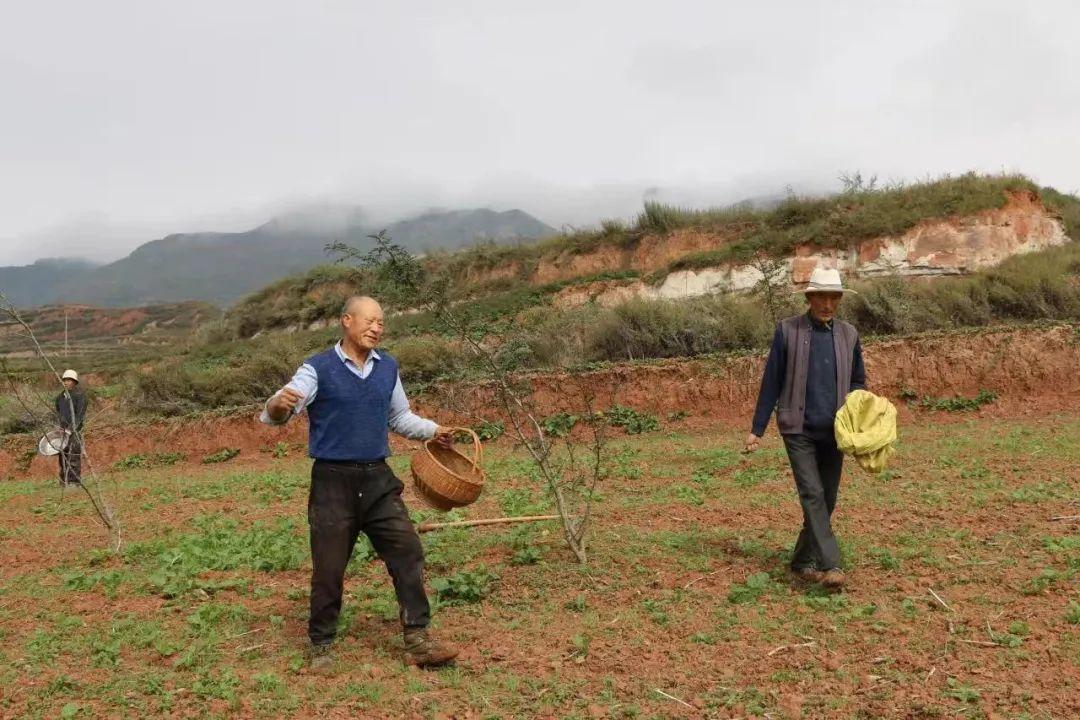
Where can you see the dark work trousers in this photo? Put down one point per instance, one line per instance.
(817, 463)
(71, 461)
(345, 500)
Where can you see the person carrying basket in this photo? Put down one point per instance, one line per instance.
(353, 395)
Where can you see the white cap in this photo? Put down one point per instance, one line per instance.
(70, 375)
(825, 280)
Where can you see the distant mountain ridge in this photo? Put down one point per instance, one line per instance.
(223, 267)
(43, 281)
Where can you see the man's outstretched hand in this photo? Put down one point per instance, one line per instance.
(283, 403)
(444, 436)
(753, 442)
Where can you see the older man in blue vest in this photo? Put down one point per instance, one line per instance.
(814, 362)
(353, 395)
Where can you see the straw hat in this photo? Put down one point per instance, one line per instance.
(825, 280)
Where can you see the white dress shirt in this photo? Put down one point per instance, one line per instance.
(402, 419)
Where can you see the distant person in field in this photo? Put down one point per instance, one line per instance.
(814, 362)
(71, 412)
(353, 395)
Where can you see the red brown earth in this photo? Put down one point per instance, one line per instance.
(654, 605)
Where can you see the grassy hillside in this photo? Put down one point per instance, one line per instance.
(528, 333)
(500, 276)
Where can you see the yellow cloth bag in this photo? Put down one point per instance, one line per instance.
(866, 428)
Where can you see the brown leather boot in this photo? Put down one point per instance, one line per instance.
(807, 575)
(833, 579)
(321, 659)
(425, 651)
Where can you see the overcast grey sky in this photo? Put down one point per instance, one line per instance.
(124, 121)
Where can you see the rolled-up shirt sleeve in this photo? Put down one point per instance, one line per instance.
(404, 421)
(305, 382)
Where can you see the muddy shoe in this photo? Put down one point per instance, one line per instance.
(833, 579)
(320, 658)
(807, 575)
(423, 651)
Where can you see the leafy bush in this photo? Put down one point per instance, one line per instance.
(885, 559)
(755, 586)
(167, 459)
(527, 555)
(521, 501)
(559, 424)
(689, 495)
(131, 462)
(526, 550)
(139, 461)
(959, 404)
(656, 611)
(630, 420)
(489, 430)
(173, 565)
(464, 586)
(222, 455)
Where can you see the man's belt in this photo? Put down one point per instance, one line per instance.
(352, 463)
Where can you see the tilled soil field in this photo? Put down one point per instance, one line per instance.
(963, 596)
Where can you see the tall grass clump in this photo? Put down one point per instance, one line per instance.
(427, 357)
(225, 375)
(1039, 286)
(665, 329)
(1065, 205)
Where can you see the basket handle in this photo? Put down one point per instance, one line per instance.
(478, 449)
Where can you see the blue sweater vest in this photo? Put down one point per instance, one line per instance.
(349, 416)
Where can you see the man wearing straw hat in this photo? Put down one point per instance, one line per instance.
(814, 362)
(71, 410)
(353, 394)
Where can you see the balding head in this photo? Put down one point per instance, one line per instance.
(357, 304)
(362, 323)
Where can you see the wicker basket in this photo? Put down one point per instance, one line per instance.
(445, 478)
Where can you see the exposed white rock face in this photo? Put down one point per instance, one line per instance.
(933, 248)
(691, 283)
(945, 247)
